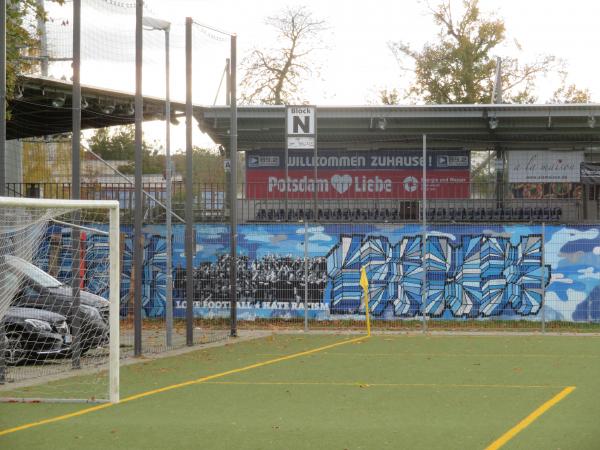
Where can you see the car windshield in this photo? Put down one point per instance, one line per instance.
(30, 271)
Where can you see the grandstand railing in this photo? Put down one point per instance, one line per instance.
(255, 203)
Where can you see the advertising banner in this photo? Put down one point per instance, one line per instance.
(358, 174)
(590, 173)
(535, 166)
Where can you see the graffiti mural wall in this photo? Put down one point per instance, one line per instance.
(499, 272)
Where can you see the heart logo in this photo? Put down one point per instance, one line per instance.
(341, 183)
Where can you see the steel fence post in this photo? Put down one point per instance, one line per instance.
(543, 293)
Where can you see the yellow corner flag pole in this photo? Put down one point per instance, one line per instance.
(364, 283)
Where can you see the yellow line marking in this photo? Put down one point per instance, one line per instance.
(177, 386)
(529, 419)
(353, 383)
(491, 355)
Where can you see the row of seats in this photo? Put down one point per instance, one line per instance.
(338, 215)
(509, 214)
(440, 214)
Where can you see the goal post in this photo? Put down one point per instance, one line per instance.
(59, 338)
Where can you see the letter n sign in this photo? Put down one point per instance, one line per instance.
(301, 120)
(301, 127)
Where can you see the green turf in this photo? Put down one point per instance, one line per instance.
(397, 391)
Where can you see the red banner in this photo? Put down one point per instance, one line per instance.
(339, 184)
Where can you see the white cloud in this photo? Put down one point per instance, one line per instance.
(564, 308)
(562, 237)
(588, 272)
(560, 278)
(315, 234)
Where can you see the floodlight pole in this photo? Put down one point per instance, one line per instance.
(169, 296)
(424, 238)
(137, 233)
(189, 219)
(2, 97)
(2, 152)
(76, 180)
(162, 25)
(233, 189)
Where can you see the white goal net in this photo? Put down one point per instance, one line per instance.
(59, 300)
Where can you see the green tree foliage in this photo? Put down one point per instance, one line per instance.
(274, 76)
(569, 93)
(459, 67)
(22, 40)
(118, 144)
(207, 166)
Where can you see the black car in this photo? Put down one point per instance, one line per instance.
(38, 289)
(34, 335)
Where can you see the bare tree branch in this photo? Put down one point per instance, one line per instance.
(274, 76)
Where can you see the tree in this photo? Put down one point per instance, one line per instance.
(569, 93)
(22, 39)
(118, 144)
(460, 67)
(207, 166)
(273, 76)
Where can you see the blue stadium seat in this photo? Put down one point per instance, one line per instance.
(440, 214)
(451, 214)
(546, 214)
(497, 215)
(386, 215)
(430, 214)
(518, 214)
(470, 214)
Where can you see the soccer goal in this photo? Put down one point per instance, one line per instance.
(59, 300)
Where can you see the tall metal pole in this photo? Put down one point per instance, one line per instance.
(2, 152)
(305, 275)
(543, 293)
(138, 248)
(76, 180)
(315, 171)
(2, 98)
(41, 26)
(286, 152)
(189, 219)
(424, 238)
(233, 189)
(169, 296)
(228, 82)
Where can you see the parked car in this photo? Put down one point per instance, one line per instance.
(34, 335)
(40, 290)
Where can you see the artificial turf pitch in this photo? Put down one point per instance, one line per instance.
(386, 391)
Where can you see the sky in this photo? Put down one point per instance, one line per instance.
(355, 62)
